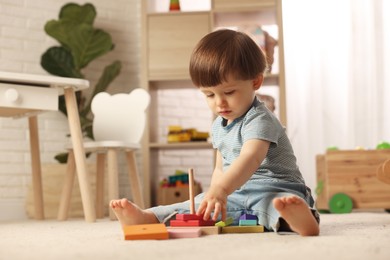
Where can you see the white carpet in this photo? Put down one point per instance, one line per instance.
(359, 235)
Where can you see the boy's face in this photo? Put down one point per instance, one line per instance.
(233, 98)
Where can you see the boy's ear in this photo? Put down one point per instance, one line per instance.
(258, 81)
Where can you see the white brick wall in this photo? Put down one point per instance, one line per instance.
(23, 41)
(187, 108)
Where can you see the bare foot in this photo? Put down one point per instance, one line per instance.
(297, 214)
(130, 214)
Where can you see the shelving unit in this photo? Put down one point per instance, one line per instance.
(168, 39)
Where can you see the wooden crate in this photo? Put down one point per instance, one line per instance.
(171, 195)
(353, 172)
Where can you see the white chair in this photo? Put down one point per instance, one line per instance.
(118, 125)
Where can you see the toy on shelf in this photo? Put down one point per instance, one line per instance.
(332, 148)
(174, 5)
(175, 189)
(353, 179)
(177, 134)
(193, 220)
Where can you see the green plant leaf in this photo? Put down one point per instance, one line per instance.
(87, 43)
(61, 157)
(70, 16)
(80, 43)
(88, 132)
(109, 74)
(62, 105)
(82, 40)
(59, 30)
(59, 61)
(77, 13)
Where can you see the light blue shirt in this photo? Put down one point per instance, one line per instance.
(259, 123)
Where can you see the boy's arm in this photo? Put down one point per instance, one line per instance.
(217, 173)
(252, 154)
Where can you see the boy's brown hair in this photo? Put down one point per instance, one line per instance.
(225, 53)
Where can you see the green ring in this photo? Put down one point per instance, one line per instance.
(340, 203)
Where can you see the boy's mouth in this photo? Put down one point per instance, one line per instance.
(224, 112)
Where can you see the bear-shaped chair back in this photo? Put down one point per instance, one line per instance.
(120, 117)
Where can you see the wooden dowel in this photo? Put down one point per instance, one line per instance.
(191, 187)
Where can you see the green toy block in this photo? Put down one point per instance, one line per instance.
(225, 223)
(247, 222)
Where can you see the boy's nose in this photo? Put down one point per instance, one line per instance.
(220, 101)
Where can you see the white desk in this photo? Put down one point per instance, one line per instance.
(25, 95)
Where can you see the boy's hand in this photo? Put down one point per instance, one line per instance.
(214, 200)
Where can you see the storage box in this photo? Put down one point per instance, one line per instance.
(354, 173)
(170, 195)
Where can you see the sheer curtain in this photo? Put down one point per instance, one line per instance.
(337, 58)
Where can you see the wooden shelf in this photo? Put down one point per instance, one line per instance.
(168, 41)
(269, 79)
(165, 75)
(183, 145)
(177, 13)
(242, 5)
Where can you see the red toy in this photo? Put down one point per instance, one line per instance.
(191, 220)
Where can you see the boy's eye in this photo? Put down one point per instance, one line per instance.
(229, 92)
(209, 95)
